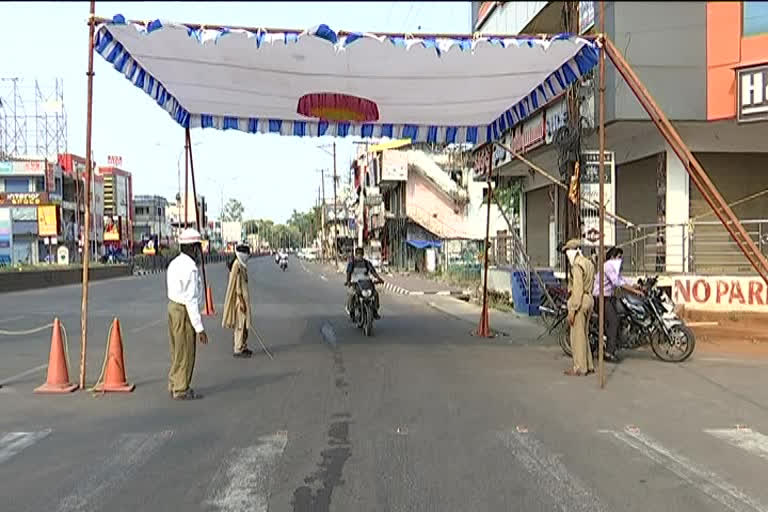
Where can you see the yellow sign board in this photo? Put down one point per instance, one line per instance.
(392, 144)
(47, 220)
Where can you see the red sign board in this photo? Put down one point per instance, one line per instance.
(115, 161)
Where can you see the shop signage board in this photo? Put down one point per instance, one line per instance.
(394, 166)
(530, 135)
(115, 160)
(47, 220)
(752, 99)
(23, 198)
(111, 229)
(590, 190)
(720, 293)
(36, 167)
(6, 239)
(23, 168)
(557, 117)
(586, 16)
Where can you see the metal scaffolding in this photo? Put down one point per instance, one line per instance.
(33, 120)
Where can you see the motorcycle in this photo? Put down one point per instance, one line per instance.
(650, 318)
(363, 306)
(284, 265)
(277, 258)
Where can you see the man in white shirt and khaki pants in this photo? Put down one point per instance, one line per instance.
(185, 295)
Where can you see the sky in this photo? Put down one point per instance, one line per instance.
(269, 174)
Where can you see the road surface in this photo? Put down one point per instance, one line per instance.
(421, 417)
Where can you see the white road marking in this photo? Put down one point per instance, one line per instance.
(415, 293)
(444, 292)
(129, 453)
(13, 442)
(706, 481)
(744, 438)
(147, 326)
(11, 319)
(24, 374)
(569, 494)
(248, 476)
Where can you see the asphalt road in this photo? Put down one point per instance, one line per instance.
(421, 417)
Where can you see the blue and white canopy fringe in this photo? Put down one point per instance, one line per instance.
(442, 90)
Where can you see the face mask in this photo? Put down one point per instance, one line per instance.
(242, 257)
(571, 255)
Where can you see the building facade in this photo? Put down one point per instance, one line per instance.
(28, 211)
(703, 63)
(118, 209)
(150, 221)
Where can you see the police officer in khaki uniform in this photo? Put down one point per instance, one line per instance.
(581, 280)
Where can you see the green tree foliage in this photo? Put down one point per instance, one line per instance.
(233, 211)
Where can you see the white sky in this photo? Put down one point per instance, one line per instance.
(271, 175)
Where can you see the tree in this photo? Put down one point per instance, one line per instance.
(233, 211)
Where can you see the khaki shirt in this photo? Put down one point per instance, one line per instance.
(581, 282)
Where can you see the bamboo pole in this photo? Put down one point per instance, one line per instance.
(188, 141)
(484, 329)
(186, 178)
(601, 171)
(86, 192)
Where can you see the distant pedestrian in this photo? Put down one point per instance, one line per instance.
(237, 302)
(580, 284)
(185, 295)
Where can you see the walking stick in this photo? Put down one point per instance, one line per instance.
(261, 341)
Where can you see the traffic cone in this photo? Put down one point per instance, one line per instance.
(114, 374)
(484, 328)
(58, 373)
(209, 309)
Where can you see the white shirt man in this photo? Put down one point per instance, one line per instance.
(184, 322)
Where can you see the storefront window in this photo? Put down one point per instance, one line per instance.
(17, 185)
(754, 18)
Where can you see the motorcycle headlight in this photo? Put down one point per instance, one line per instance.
(366, 293)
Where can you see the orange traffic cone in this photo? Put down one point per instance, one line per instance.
(209, 309)
(484, 328)
(114, 373)
(58, 373)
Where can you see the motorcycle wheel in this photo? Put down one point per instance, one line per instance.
(368, 321)
(681, 339)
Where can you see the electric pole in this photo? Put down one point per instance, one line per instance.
(335, 213)
(322, 215)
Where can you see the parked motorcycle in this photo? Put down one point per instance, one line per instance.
(650, 318)
(363, 306)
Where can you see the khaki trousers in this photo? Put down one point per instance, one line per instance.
(241, 333)
(182, 338)
(582, 354)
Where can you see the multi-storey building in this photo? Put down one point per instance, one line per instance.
(150, 221)
(706, 65)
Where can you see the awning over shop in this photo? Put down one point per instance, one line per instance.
(453, 89)
(425, 244)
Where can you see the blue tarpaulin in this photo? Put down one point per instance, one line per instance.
(425, 244)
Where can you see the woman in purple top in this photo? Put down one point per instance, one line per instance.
(613, 280)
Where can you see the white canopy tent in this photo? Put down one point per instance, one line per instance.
(320, 82)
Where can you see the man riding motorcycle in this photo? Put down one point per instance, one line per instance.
(357, 269)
